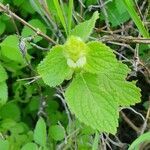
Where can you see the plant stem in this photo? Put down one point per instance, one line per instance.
(37, 31)
(125, 39)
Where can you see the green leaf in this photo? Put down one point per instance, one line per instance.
(70, 11)
(137, 20)
(84, 29)
(30, 146)
(10, 49)
(3, 74)
(102, 61)
(100, 58)
(92, 104)
(36, 5)
(54, 69)
(40, 133)
(26, 8)
(10, 111)
(60, 14)
(96, 141)
(19, 128)
(114, 82)
(2, 27)
(7, 124)
(4, 145)
(89, 2)
(57, 132)
(117, 13)
(26, 32)
(3, 93)
(96, 95)
(18, 3)
(142, 138)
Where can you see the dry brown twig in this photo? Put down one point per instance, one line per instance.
(130, 123)
(124, 39)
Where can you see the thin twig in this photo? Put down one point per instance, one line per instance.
(103, 144)
(39, 47)
(105, 14)
(128, 121)
(146, 120)
(118, 144)
(13, 21)
(130, 108)
(122, 44)
(37, 31)
(124, 39)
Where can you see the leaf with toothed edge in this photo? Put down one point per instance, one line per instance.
(100, 58)
(84, 29)
(111, 74)
(99, 86)
(114, 82)
(54, 69)
(92, 104)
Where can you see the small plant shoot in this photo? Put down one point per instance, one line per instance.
(74, 74)
(98, 85)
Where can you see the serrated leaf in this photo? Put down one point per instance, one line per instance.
(40, 132)
(3, 74)
(100, 58)
(29, 32)
(92, 104)
(54, 69)
(3, 93)
(114, 82)
(84, 29)
(111, 74)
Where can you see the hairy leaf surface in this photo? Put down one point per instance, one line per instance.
(126, 92)
(84, 29)
(92, 104)
(100, 58)
(54, 69)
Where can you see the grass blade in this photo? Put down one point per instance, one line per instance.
(136, 18)
(144, 137)
(60, 14)
(70, 10)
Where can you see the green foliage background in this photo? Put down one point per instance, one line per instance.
(33, 114)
